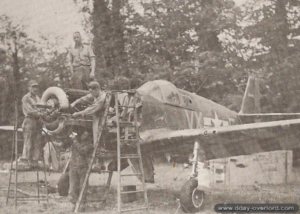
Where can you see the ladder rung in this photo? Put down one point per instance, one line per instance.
(125, 192)
(127, 106)
(106, 154)
(94, 200)
(130, 156)
(34, 197)
(133, 174)
(31, 199)
(100, 186)
(106, 171)
(127, 124)
(26, 170)
(141, 208)
(130, 140)
(130, 92)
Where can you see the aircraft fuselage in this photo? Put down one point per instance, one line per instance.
(165, 106)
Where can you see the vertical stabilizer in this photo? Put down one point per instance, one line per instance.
(251, 100)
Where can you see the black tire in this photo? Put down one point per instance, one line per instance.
(63, 184)
(191, 199)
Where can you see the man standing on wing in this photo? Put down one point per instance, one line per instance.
(82, 63)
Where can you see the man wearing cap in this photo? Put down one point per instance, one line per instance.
(96, 99)
(32, 127)
(82, 63)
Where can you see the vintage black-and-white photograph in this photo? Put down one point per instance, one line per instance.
(149, 106)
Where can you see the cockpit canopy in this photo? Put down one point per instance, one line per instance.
(166, 92)
(161, 90)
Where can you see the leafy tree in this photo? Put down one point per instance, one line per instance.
(108, 31)
(23, 59)
(178, 41)
(186, 41)
(13, 41)
(273, 26)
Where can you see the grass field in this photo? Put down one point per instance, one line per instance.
(163, 195)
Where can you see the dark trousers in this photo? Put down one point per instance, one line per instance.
(81, 77)
(32, 132)
(77, 174)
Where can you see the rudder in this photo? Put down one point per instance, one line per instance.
(251, 100)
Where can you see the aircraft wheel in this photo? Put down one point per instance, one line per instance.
(191, 199)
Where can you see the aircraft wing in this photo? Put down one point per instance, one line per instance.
(244, 139)
(9, 128)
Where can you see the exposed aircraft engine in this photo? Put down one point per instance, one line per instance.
(56, 113)
(60, 100)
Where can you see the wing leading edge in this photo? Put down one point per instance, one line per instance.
(233, 140)
(166, 134)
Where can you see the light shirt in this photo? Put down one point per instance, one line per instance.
(96, 104)
(28, 105)
(96, 109)
(81, 56)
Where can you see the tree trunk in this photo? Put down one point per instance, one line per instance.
(281, 47)
(101, 31)
(109, 40)
(16, 73)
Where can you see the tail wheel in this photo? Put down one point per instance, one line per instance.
(191, 199)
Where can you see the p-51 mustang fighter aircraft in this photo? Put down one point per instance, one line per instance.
(178, 122)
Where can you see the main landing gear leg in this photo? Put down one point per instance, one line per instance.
(191, 199)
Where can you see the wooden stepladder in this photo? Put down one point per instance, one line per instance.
(128, 136)
(15, 171)
(86, 179)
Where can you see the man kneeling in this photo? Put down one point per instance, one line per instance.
(82, 148)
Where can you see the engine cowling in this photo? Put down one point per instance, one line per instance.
(59, 94)
(57, 100)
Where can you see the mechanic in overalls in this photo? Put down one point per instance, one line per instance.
(32, 128)
(82, 149)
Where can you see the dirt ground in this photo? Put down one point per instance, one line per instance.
(163, 195)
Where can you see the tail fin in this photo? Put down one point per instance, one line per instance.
(251, 100)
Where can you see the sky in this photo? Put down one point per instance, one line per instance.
(51, 18)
